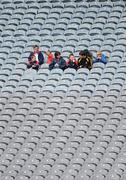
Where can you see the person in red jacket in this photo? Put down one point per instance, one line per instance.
(50, 56)
(72, 62)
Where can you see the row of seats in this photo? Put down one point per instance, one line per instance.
(64, 2)
(12, 51)
(14, 77)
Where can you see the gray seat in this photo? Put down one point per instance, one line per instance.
(111, 37)
(107, 31)
(18, 1)
(109, 42)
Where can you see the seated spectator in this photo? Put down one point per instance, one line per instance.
(50, 56)
(101, 58)
(57, 62)
(85, 59)
(72, 62)
(33, 63)
(38, 54)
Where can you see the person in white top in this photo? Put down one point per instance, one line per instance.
(38, 54)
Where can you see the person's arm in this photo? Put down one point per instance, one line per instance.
(104, 59)
(90, 63)
(83, 62)
(108, 55)
(79, 62)
(41, 58)
(67, 62)
(29, 59)
(62, 63)
(87, 63)
(95, 60)
(51, 65)
(31, 54)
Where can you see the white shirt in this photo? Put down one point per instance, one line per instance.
(36, 55)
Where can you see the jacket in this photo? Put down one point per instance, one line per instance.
(72, 64)
(102, 60)
(60, 63)
(50, 58)
(40, 57)
(85, 63)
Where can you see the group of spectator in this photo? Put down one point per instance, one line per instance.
(85, 59)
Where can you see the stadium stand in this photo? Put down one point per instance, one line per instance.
(62, 125)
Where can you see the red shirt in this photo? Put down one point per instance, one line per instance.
(50, 58)
(74, 61)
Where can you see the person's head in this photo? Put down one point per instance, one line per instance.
(71, 57)
(99, 54)
(33, 58)
(82, 54)
(35, 48)
(87, 53)
(48, 52)
(57, 55)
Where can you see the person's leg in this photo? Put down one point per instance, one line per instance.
(29, 66)
(36, 67)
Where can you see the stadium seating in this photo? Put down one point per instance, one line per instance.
(62, 125)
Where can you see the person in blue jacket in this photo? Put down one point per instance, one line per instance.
(38, 54)
(57, 62)
(101, 57)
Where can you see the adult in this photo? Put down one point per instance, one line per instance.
(57, 62)
(38, 55)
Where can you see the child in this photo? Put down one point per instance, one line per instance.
(85, 59)
(33, 63)
(50, 56)
(72, 62)
(101, 58)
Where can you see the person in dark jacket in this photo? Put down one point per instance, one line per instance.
(38, 54)
(57, 62)
(85, 59)
(72, 62)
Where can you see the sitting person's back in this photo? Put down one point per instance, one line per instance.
(101, 57)
(72, 62)
(38, 54)
(58, 62)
